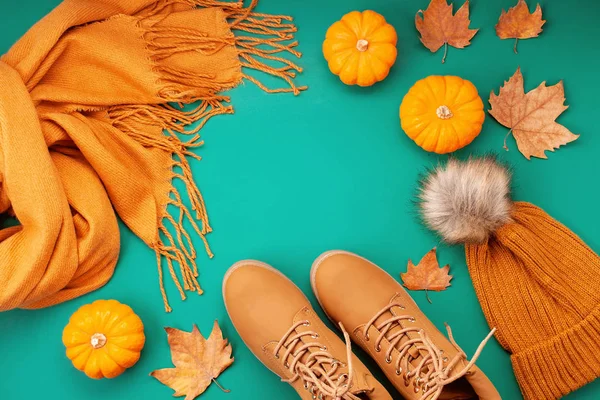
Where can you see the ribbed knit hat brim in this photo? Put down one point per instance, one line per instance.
(563, 363)
(539, 285)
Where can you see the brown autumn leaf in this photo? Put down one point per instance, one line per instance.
(427, 274)
(531, 116)
(198, 361)
(438, 27)
(518, 23)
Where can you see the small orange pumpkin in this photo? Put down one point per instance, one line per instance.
(360, 48)
(442, 113)
(104, 338)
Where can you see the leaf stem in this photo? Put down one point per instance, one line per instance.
(220, 387)
(427, 296)
(445, 52)
(515, 48)
(505, 138)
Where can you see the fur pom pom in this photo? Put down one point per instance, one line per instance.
(466, 201)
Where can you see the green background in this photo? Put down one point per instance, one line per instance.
(286, 178)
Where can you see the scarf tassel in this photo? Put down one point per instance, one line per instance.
(259, 41)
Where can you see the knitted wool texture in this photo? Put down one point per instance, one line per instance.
(539, 285)
(87, 129)
(537, 282)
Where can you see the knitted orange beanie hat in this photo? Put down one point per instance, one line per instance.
(537, 282)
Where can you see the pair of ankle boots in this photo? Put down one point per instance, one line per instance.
(276, 321)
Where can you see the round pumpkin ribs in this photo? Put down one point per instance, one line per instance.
(360, 48)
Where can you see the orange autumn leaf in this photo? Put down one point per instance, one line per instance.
(518, 23)
(531, 116)
(198, 361)
(438, 27)
(427, 274)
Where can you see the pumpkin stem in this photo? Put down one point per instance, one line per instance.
(362, 45)
(220, 387)
(443, 112)
(98, 340)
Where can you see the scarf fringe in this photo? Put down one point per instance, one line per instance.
(269, 36)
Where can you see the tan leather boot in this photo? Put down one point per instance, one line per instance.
(384, 320)
(278, 324)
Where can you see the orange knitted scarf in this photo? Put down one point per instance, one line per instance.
(91, 124)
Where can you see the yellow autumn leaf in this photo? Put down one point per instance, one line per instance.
(198, 361)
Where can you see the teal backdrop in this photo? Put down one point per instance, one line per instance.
(286, 178)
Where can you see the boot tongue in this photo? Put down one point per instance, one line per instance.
(458, 390)
(360, 385)
(359, 382)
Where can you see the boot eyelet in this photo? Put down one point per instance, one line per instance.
(277, 356)
(286, 365)
(399, 371)
(412, 319)
(388, 360)
(445, 359)
(306, 323)
(315, 336)
(320, 396)
(367, 338)
(441, 351)
(400, 306)
(324, 348)
(416, 389)
(306, 385)
(378, 348)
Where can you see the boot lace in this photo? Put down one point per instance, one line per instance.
(319, 370)
(430, 374)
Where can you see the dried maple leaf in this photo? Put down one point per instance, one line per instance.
(531, 116)
(518, 23)
(438, 27)
(198, 361)
(427, 274)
